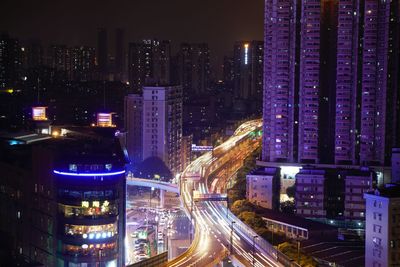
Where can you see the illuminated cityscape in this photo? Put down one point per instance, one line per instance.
(200, 133)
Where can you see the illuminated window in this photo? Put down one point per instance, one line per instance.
(85, 204)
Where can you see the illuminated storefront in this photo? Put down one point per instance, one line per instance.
(39, 114)
(91, 226)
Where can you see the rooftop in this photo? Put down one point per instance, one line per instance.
(265, 171)
(389, 191)
(295, 220)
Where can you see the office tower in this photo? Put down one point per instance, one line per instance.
(59, 58)
(69, 202)
(193, 69)
(10, 61)
(263, 187)
(162, 125)
(102, 52)
(382, 229)
(134, 127)
(149, 64)
(119, 54)
(83, 63)
(248, 69)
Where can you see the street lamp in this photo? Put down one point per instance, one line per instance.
(231, 247)
(168, 228)
(100, 254)
(227, 202)
(298, 249)
(254, 248)
(272, 240)
(191, 217)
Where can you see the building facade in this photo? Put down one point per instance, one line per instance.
(396, 165)
(134, 127)
(328, 68)
(102, 52)
(10, 61)
(148, 64)
(262, 187)
(382, 230)
(193, 69)
(248, 69)
(333, 193)
(65, 206)
(162, 125)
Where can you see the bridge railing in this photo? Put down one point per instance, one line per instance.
(248, 233)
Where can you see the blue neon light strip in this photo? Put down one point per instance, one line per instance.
(89, 174)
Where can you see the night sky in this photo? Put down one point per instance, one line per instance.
(75, 22)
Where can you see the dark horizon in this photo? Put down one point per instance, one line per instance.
(75, 23)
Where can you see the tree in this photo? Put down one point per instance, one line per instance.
(252, 219)
(240, 206)
(291, 191)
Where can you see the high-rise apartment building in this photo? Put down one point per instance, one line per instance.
(328, 68)
(248, 60)
(162, 125)
(119, 69)
(362, 81)
(395, 165)
(134, 127)
(32, 53)
(149, 64)
(382, 229)
(280, 88)
(83, 63)
(59, 58)
(193, 67)
(10, 61)
(102, 52)
(74, 63)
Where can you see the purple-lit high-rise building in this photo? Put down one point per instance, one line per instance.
(309, 81)
(363, 80)
(328, 69)
(279, 81)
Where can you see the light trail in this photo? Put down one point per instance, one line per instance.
(212, 225)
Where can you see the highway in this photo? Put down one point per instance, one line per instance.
(212, 226)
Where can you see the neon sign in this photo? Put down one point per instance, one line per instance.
(88, 174)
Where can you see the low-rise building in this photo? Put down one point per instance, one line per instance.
(332, 193)
(263, 187)
(396, 165)
(382, 231)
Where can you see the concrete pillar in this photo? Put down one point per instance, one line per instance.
(162, 198)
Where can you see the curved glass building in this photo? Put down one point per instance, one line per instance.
(90, 213)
